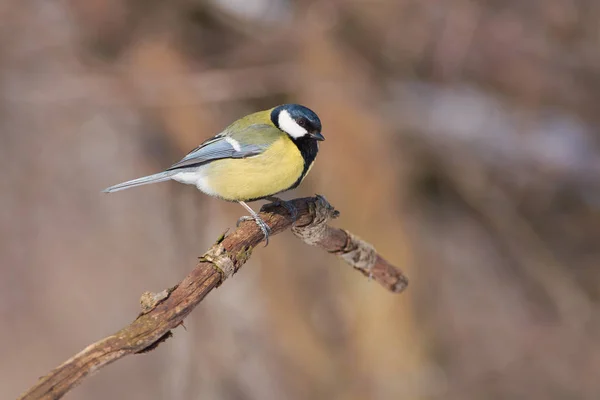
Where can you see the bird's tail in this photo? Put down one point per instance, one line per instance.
(160, 177)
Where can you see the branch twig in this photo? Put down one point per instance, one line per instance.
(164, 311)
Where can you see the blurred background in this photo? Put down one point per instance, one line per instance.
(462, 141)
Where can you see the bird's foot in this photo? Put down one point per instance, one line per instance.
(276, 201)
(261, 224)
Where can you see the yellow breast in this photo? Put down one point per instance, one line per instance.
(273, 171)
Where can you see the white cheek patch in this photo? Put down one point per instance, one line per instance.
(289, 126)
(234, 143)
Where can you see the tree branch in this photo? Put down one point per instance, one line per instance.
(164, 311)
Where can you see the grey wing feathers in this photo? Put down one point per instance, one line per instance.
(219, 147)
(216, 148)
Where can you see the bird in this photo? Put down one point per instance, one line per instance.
(255, 158)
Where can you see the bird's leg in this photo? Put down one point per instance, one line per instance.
(254, 217)
(285, 204)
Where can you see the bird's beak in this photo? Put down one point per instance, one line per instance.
(317, 136)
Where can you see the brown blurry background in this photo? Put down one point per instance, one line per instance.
(462, 140)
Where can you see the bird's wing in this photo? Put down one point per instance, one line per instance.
(226, 145)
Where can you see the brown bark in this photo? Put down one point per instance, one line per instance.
(164, 311)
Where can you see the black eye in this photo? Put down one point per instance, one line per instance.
(303, 122)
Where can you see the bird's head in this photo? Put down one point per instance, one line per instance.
(297, 121)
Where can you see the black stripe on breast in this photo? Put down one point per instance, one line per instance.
(308, 148)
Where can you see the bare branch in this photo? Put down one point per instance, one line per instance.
(164, 311)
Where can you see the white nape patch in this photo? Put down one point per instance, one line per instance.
(234, 143)
(289, 126)
(196, 178)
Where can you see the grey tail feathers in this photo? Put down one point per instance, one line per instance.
(160, 177)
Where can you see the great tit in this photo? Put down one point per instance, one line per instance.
(254, 158)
